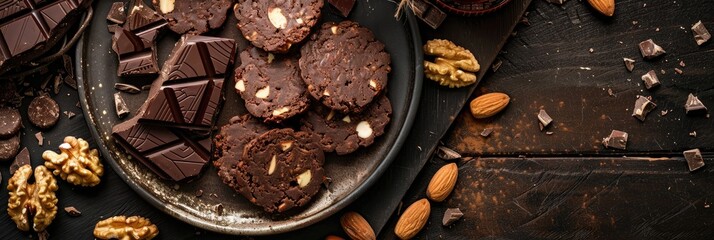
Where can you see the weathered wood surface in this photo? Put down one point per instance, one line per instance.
(566, 185)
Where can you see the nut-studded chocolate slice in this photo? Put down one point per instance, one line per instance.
(344, 66)
(276, 25)
(230, 143)
(193, 16)
(271, 85)
(344, 133)
(281, 169)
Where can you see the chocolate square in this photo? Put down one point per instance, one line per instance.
(701, 34)
(649, 49)
(617, 139)
(694, 159)
(643, 106)
(650, 79)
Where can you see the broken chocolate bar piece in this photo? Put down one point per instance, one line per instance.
(427, 12)
(694, 159)
(21, 159)
(486, 132)
(649, 49)
(120, 106)
(694, 105)
(451, 215)
(29, 28)
(544, 119)
(617, 139)
(134, 43)
(186, 97)
(701, 34)
(650, 79)
(643, 106)
(629, 63)
(344, 6)
(117, 14)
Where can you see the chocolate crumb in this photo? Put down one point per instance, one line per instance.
(662, 71)
(72, 211)
(496, 65)
(693, 134)
(617, 139)
(694, 105)
(701, 34)
(199, 193)
(548, 133)
(629, 63)
(39, 138)
(327, 182)
(649, 49)
(591, 50)
(219, 209)
(447, 154)
(650, 79)
(486, 132)
(681, 64)
(127, 88)
(694, 159)
(544, 119)
(451, 215)
(663, 112)
(678, 71)
(57, 84)
(609, 92)
(69, 114)
(643, 106)
(120, 106)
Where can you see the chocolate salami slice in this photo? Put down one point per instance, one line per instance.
(29, 28)
(135, 42)
(185, 97)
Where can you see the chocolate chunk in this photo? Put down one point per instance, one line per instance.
(10, 122)
(650, 79)
(681, 64)
(678, 71)
(643, 106)
(427, 12)
(135, 42)
(72, 211)
(22, 159)
(694, 159)
(694, 105)
(199, 193)
(617, 139)
(451, 215)
(57, 84)
(344, 6)
(29, 28)
(447, 153)
(486, 132)
(544, 119)
(120, 106)
(693, 134)
(69, 114)
(701, 34)
(40, 138)
(186, 96)
(70, 81)
(649, 49)
(117, 14)
(9, 147)
(43, 112)
(127, 88)
(629, 63)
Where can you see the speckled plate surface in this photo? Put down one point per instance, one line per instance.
(351, 174)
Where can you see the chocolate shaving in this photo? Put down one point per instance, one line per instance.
(649, 49)
(451, 215)
(127, 88)
(72, 211)
(446, 153)
(629, 63)
(121, 109)
(678, 71)
(496, 65)
(617, 139)
(643, 106)
(650, 79)
(681, 64)
(701, 34)
(694, 105)
(693, 134)
(694, 159)
(486, 132)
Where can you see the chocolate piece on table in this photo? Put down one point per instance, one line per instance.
(127, 88)
(120, 106)
(117, 14)
(22, 159)
(43, 112)
(694, 105)
(701, 34)
(427, 12)
(72, 211)
(344, 6)
(486, 132)
(40, 138)
(29, 28)
(617, 139)
(650, 79)
(10, 122)
(451, 215)
(134, 43)
(643, 106)
(649, 49)
(694, 159)
(187, 95)
(629, 64)
(544, 119)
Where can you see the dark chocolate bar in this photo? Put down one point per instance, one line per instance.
(134, 43)
(185, 97)
(29, 28)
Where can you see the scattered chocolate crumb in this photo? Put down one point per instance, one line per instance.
(486, 132)
(199, 193)
(681, 63)
(219, 209)
(548, 133)
(629, 63)
(127, 88)
(694, 105)
(496, 65)
(591, 50)
(120, 106)
(707, 206)
(656, 29)
(693, 134)
(609, 92)
(69, 114)
(694, 159)
(447, 153)
(643, 106)
(78, 105)
(72, 211)
(617, 139)
(213, 195)
(663, 112)
(649, 49)
(327, 182)
(39, 138)
(451, 215)
(544, 119)
(662, 71)
(650, 79)
(678, 71)
(57, 84)
(701, 34)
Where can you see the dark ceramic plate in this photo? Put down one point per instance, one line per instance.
(351, 174)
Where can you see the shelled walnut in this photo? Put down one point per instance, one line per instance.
(453, 66)
(76, 163)
(32, 200)
(125, 228)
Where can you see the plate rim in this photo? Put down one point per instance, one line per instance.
(413, 26)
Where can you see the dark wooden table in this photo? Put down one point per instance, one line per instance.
(523, 184)
(567, 186)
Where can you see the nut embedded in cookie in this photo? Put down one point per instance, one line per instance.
(76, 163)
(454, 66)
(32, 200)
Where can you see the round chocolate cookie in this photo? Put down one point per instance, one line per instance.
(276, 25)
(271, 85)
(9, 147)
(230, 143)
(10, 122)
(344, 66)
(193, 16)
(344, 133)
(281, 169)
(43, 112)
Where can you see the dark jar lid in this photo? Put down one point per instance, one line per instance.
(471, 7)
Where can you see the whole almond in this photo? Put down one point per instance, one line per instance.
(489, 104)
(443, 182)
(413, 219)
(606, 7)
(356, 226)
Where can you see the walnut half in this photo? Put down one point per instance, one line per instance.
(453, 66)
(125, 228)
(32, 200)
(76, 163)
